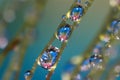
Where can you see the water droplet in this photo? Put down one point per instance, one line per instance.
(105, 38)
(95, 59)
(98, 48)
(27, 74)
(76, 13)
(64, 17)
(115, 27)
(3, 42)
(85, 65)
(63, 33)
(49, 57)
(87, 3)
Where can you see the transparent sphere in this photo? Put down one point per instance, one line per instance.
(48, 58)
(76, 13)
(63, 33)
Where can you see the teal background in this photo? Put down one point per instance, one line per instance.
(81, 38)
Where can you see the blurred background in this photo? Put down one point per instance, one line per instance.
(26, 26)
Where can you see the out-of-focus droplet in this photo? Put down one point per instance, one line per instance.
(85, 65)
(30, 15)
(31, 34)
(27, 74)
(95, 59)
(98, 48)
(117, 69)
(3, 42)
(111, 52)
(115, 28)
(87, 3)
(76, 60)
(64, 17)
(66, 76)
(114, 3)
(105, 38)
(78, 77)
(9, 15)
(68, 69)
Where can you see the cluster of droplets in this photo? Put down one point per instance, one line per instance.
(8, 15)
(111, 33)
(49, 56)
(71, 65)
(115, 73)
(96, 58)
(88, 65)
